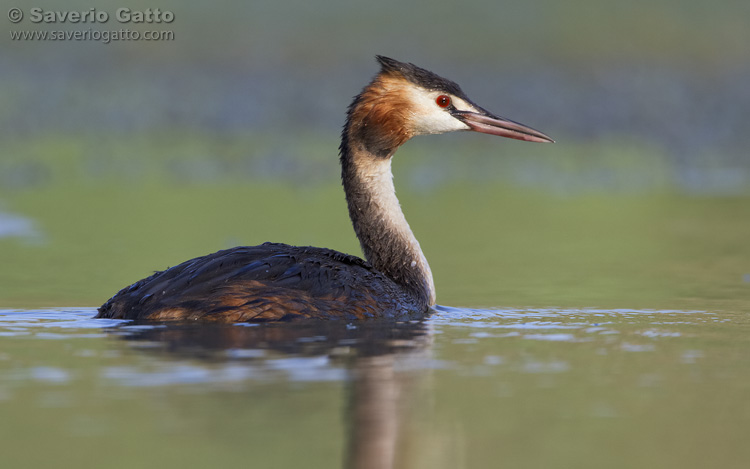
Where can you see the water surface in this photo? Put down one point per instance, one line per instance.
(464, 388)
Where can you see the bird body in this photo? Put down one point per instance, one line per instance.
(274, 282)
(269, 282)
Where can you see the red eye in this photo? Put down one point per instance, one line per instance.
(443, 100)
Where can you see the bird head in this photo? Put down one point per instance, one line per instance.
(404, 101)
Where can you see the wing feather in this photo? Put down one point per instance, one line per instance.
(263, 283)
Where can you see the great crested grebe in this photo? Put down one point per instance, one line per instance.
(273, 282)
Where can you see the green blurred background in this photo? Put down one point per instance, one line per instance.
(123, 158)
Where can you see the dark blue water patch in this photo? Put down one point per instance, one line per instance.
(687, 113)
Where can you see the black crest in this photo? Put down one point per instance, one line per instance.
(419, 76)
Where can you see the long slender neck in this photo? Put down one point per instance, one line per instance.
(386, 239)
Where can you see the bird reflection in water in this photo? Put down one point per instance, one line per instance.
(373, 355)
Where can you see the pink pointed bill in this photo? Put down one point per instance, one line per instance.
(488, 124)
